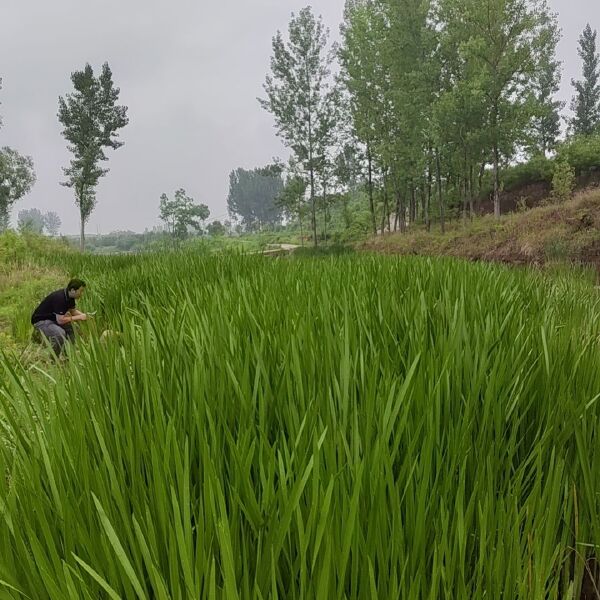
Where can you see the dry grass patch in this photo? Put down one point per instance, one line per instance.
(569, 232)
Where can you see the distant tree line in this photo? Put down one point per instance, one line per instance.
(182, 215)
(34, 221)
(253, 195)
(432, 104)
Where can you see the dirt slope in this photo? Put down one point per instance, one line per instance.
(556, 232)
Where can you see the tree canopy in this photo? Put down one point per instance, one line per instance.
(182, 215)
(252, 196)
(91, 119)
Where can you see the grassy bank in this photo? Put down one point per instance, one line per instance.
(30, 268)
(568, 232)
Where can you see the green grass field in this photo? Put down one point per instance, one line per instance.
(339, 427)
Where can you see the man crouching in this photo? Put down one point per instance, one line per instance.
(53, 317)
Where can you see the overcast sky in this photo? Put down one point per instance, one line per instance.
(190, 73)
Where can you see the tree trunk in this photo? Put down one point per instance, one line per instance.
(496, 183)
(402, 215)
(386, 200)
(471, 211)
(496, 163)
(371, 201)
(398, 208)
(325, 213)
(313, 207)
(438, 175)
(463, 186)
(82, 234)
(386, 210)
(81, 193)
(428, 197)
(312, 180)
(480, 185)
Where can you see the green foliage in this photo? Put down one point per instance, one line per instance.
(13, 247)
(563, 181)
(350, 218)
(364, 70)
(582, 152)
(302, 100)
(216, 229)
(125, 244)
(17, 177)
(252, 196)
(292, 198)
(236, 445)
(52, 223)
(18, 249)
(538, 169)
(586, 103)
(27, 274)
(31, 220)
(91, 119)
(333, 250)
(545, 129)
(506, 46)
(439, 92)
(181, 214)
(556, 250)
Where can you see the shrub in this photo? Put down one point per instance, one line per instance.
(582, 153)
(563, 181)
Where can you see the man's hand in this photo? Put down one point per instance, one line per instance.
(77, 315)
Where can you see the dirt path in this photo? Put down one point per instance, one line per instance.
(273, 249)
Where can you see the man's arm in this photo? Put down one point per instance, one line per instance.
(70, 318)
(74, 312)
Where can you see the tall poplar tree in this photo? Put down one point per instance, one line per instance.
(91, 119)
(506, 43)
(545, 125)
(586, 103)
(301, 97)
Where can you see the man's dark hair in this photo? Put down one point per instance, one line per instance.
(75, 284)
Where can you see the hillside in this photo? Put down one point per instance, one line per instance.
(552, 233)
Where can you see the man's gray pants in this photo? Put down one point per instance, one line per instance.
(56, 334)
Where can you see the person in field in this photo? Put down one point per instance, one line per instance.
(55, 314)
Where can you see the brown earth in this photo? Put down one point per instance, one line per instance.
(568, 232)
(533, 194)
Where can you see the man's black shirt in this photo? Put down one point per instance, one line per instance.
(57, 303)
